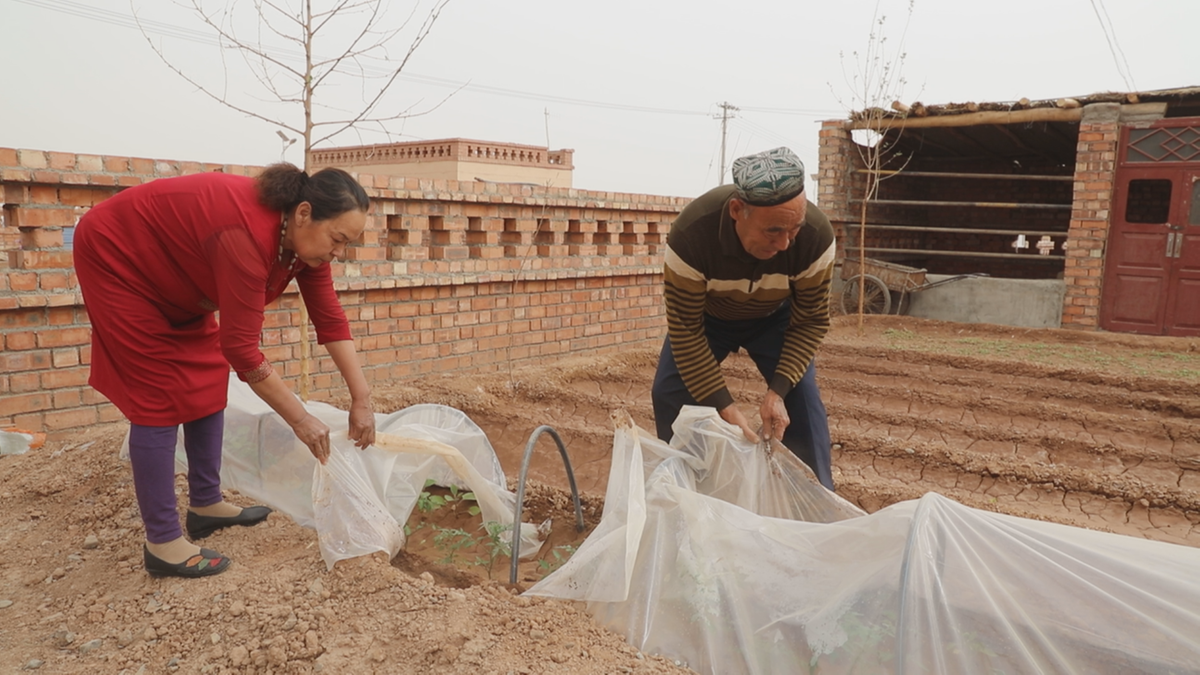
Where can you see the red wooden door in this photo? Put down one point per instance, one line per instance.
(1152, 257)
(1183, 306)
(1138, 259)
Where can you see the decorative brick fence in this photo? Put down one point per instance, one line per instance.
(449, 276)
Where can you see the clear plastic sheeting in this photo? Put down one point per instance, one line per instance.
(359, 501)
(705, 554)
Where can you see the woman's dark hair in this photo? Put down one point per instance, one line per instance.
(332, 192)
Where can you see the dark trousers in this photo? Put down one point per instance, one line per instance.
(807, 435)
(152, 457)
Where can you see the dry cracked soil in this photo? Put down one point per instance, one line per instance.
(1093, 430)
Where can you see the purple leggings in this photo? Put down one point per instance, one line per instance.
(152, 455)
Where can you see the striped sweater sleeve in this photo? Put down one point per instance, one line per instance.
(809, 321)
(684, 293)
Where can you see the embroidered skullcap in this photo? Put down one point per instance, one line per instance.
(768, 178)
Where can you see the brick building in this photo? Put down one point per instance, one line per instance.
(1108, 184)
(456, 159)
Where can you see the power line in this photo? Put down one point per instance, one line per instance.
(169, 30)
(795, 111)
(85, 11)
(1113, 46)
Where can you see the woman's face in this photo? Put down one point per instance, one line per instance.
(316, 242)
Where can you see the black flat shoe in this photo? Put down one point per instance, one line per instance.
(199, 527)
(204, 564)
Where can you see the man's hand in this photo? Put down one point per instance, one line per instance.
(774, 416)
(362, 423)
(732, 414)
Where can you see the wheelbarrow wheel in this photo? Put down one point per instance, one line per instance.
(876, 297)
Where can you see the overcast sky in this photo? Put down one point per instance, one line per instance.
(633, 86)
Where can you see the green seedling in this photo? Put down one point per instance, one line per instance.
(452, 541)
(428, 502)
(497, 540)
(561, 554)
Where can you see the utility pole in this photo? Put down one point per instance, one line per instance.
(727, 111)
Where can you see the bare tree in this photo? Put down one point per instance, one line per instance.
(301, 56)
(876, 81)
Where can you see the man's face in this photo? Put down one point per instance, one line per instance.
(768, 230)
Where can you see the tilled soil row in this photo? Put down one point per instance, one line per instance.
(1108, 453)
(1120, 454)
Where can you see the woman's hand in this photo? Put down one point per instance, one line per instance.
(362, 423)
(315, 434)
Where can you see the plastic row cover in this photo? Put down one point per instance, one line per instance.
(359, 501)
(704, 555)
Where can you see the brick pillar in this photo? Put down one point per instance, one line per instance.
(1095, 177)
(835, 182)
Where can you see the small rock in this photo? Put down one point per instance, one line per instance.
(90, 646)
(91, 542)
(214, 638)
(237, 608)
(33, 664)
(125, 639)
(426, 577)
(239, 655)
(149, 635)
(1144, 502)
(58, 573)
(316, 587)
(153, 605)
(537, 635)
(5, 604)
(62, 638)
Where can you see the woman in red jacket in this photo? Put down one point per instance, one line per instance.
(155, 262)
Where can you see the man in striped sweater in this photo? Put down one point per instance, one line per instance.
(749, 266)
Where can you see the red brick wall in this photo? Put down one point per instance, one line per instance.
(449, 276)
(1095, 177)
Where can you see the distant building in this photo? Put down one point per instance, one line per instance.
(1098, 192)
(455, 159)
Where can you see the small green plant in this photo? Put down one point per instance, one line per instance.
(428, 502)
(561, 554)
(452, 541)
(496, 539)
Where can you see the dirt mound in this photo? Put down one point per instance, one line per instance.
(74, 597)
(1100, 431)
